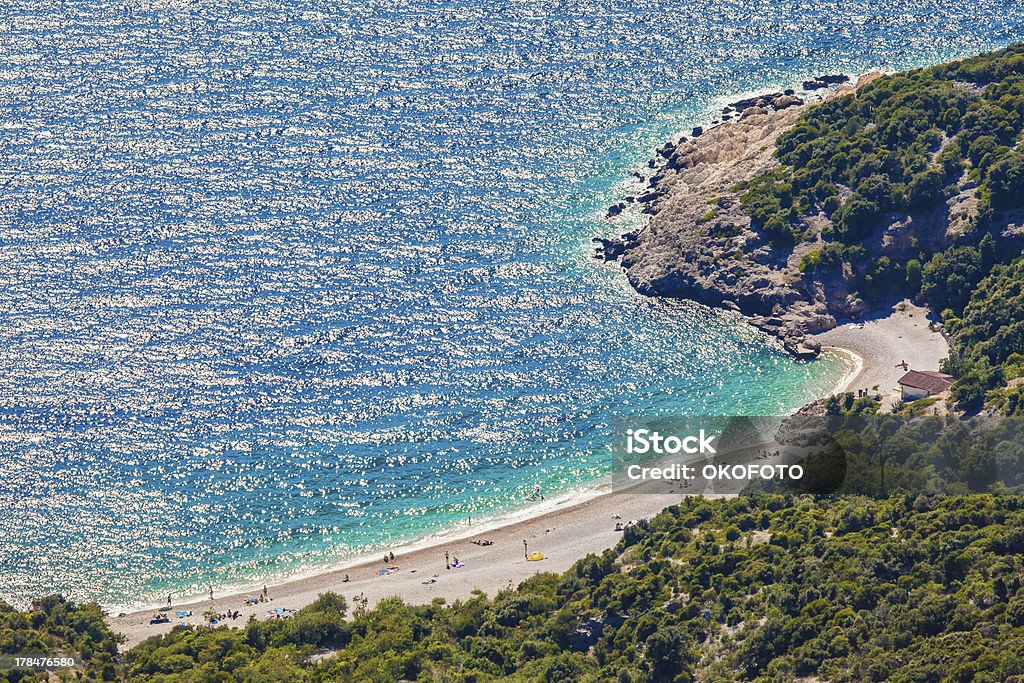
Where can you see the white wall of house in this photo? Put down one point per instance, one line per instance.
(912, 393)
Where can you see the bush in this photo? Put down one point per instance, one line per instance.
(856, 219)
(1006, 180)
(913, 277)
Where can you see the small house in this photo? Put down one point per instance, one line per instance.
(923, 383)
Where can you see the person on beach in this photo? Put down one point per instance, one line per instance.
(211, 591)
(526, 550)
(391, 556)
(447, 563)
(168, 599)
(345, 580)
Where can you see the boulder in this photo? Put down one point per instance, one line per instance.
(786, 101)
(608, 249)
(833, 79)
(853, 307)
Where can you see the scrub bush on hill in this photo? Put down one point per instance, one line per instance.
(988, 336)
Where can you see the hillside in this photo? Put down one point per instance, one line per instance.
(910, 185)
(757, 589)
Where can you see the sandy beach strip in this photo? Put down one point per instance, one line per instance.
(878, 346)
(563, 535)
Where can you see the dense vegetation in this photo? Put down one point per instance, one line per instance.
(54, 626)
(906, 188)
(763, 588)
(900, 145)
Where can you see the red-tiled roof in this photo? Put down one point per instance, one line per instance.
(932, 382)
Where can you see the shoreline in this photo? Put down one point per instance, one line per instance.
(572, 526)
(563, 534)
(854, 375)
(448, 534)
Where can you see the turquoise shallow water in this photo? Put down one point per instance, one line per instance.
(281, 283)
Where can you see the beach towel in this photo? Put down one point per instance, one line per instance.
(458, 563)
(181, 614)
(535, 556)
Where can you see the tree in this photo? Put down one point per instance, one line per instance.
(913, 276)
(857, 218)
(669, 653)
(1006, 180)
(925, 189)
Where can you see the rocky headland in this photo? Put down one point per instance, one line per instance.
(698, 242)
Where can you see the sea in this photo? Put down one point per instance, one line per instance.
(284, 284)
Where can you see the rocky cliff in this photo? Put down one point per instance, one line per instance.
(698, 242)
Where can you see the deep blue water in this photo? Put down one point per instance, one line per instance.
(284, 282)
